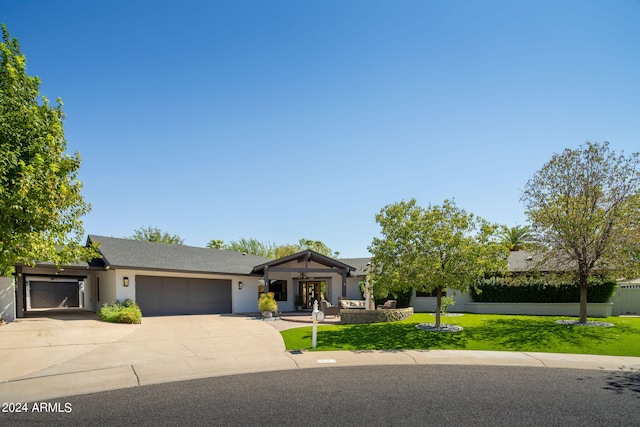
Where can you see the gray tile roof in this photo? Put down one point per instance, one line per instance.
(138, 254)
(521, 261)
(359, 263)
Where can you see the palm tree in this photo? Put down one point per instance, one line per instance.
(516, 238)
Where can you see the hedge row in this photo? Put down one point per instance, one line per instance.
(506, 289)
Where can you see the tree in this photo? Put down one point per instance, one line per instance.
(583, 205)
(251, 246)
(282, 251)
(432, 249)
(271, 250)
(40, 200)
(317, 246)
(215, 244)
(516, 238)
(154, 234)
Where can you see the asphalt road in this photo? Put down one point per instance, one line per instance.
(368, 396)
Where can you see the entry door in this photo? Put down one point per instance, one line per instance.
(311, 291)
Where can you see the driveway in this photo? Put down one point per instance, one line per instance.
(89, 355)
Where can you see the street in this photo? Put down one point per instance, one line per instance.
(367, 395)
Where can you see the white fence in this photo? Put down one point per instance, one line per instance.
(627, 299)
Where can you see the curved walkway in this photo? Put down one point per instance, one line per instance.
(56, 356)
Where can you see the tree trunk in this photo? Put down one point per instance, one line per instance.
(584, 279)
(438, 305)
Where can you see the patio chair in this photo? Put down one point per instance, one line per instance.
(328, 309)
(389, 304)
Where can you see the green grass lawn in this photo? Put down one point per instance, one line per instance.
(481, 332)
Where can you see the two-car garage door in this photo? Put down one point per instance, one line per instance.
(158, 296)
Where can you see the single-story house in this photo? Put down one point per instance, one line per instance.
(178, 279)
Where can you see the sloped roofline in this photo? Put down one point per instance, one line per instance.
(306, 255)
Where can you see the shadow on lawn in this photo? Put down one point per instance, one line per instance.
(527, 334)
(388, 336)
(498, 334)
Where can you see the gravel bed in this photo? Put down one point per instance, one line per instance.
(431, 327)
(589, 323)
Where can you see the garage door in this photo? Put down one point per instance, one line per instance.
(54, 294)
(158, 296)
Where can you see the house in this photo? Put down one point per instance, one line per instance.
(177, 279)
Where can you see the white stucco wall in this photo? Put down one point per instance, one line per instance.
(107, 288)
(428, 304)
(7, 299)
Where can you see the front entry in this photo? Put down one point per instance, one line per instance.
(311, 290)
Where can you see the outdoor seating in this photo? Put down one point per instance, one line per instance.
(329, 309)
(351, 304)
(388, 305)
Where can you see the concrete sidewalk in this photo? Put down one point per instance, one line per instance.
(45, 359)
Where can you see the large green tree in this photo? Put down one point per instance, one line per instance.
(432, 249)
(40, 200)
(583, 205)
(154, 234)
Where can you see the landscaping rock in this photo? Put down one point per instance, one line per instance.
(431, 327)
(589, 323)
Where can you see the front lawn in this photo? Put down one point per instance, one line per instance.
(481, 332)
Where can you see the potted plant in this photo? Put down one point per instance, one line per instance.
(267, 305)
(299, 302)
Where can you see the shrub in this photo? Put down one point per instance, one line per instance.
(543, 289)
(267, 302)
(121, 312)
(403, 298)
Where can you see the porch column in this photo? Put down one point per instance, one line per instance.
(344, 284)
(266, 280)
(20, 292)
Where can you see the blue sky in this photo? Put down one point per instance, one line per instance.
(287, 119)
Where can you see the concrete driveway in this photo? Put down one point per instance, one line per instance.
(73, 353)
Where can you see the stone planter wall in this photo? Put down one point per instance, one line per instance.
(374, 316)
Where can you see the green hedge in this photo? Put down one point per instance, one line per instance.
(121, 312)
(540, 289)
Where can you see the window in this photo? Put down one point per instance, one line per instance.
(279, 289)
(432, 294)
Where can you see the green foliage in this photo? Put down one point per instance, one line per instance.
(545, 289)
(446, 303)
(267, 302)
(154, 234)
(251, 246)
(40, 198)
(516, 238)
(317, 246)
(121, 312)
(403, 298)
(270, 250)
(584, 206)
(428, 249)
(215, 244)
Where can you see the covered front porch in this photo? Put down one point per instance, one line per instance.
(309, 276)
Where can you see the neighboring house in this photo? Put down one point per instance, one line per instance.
(177, 279)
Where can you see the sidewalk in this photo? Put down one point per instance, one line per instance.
(191, 347)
